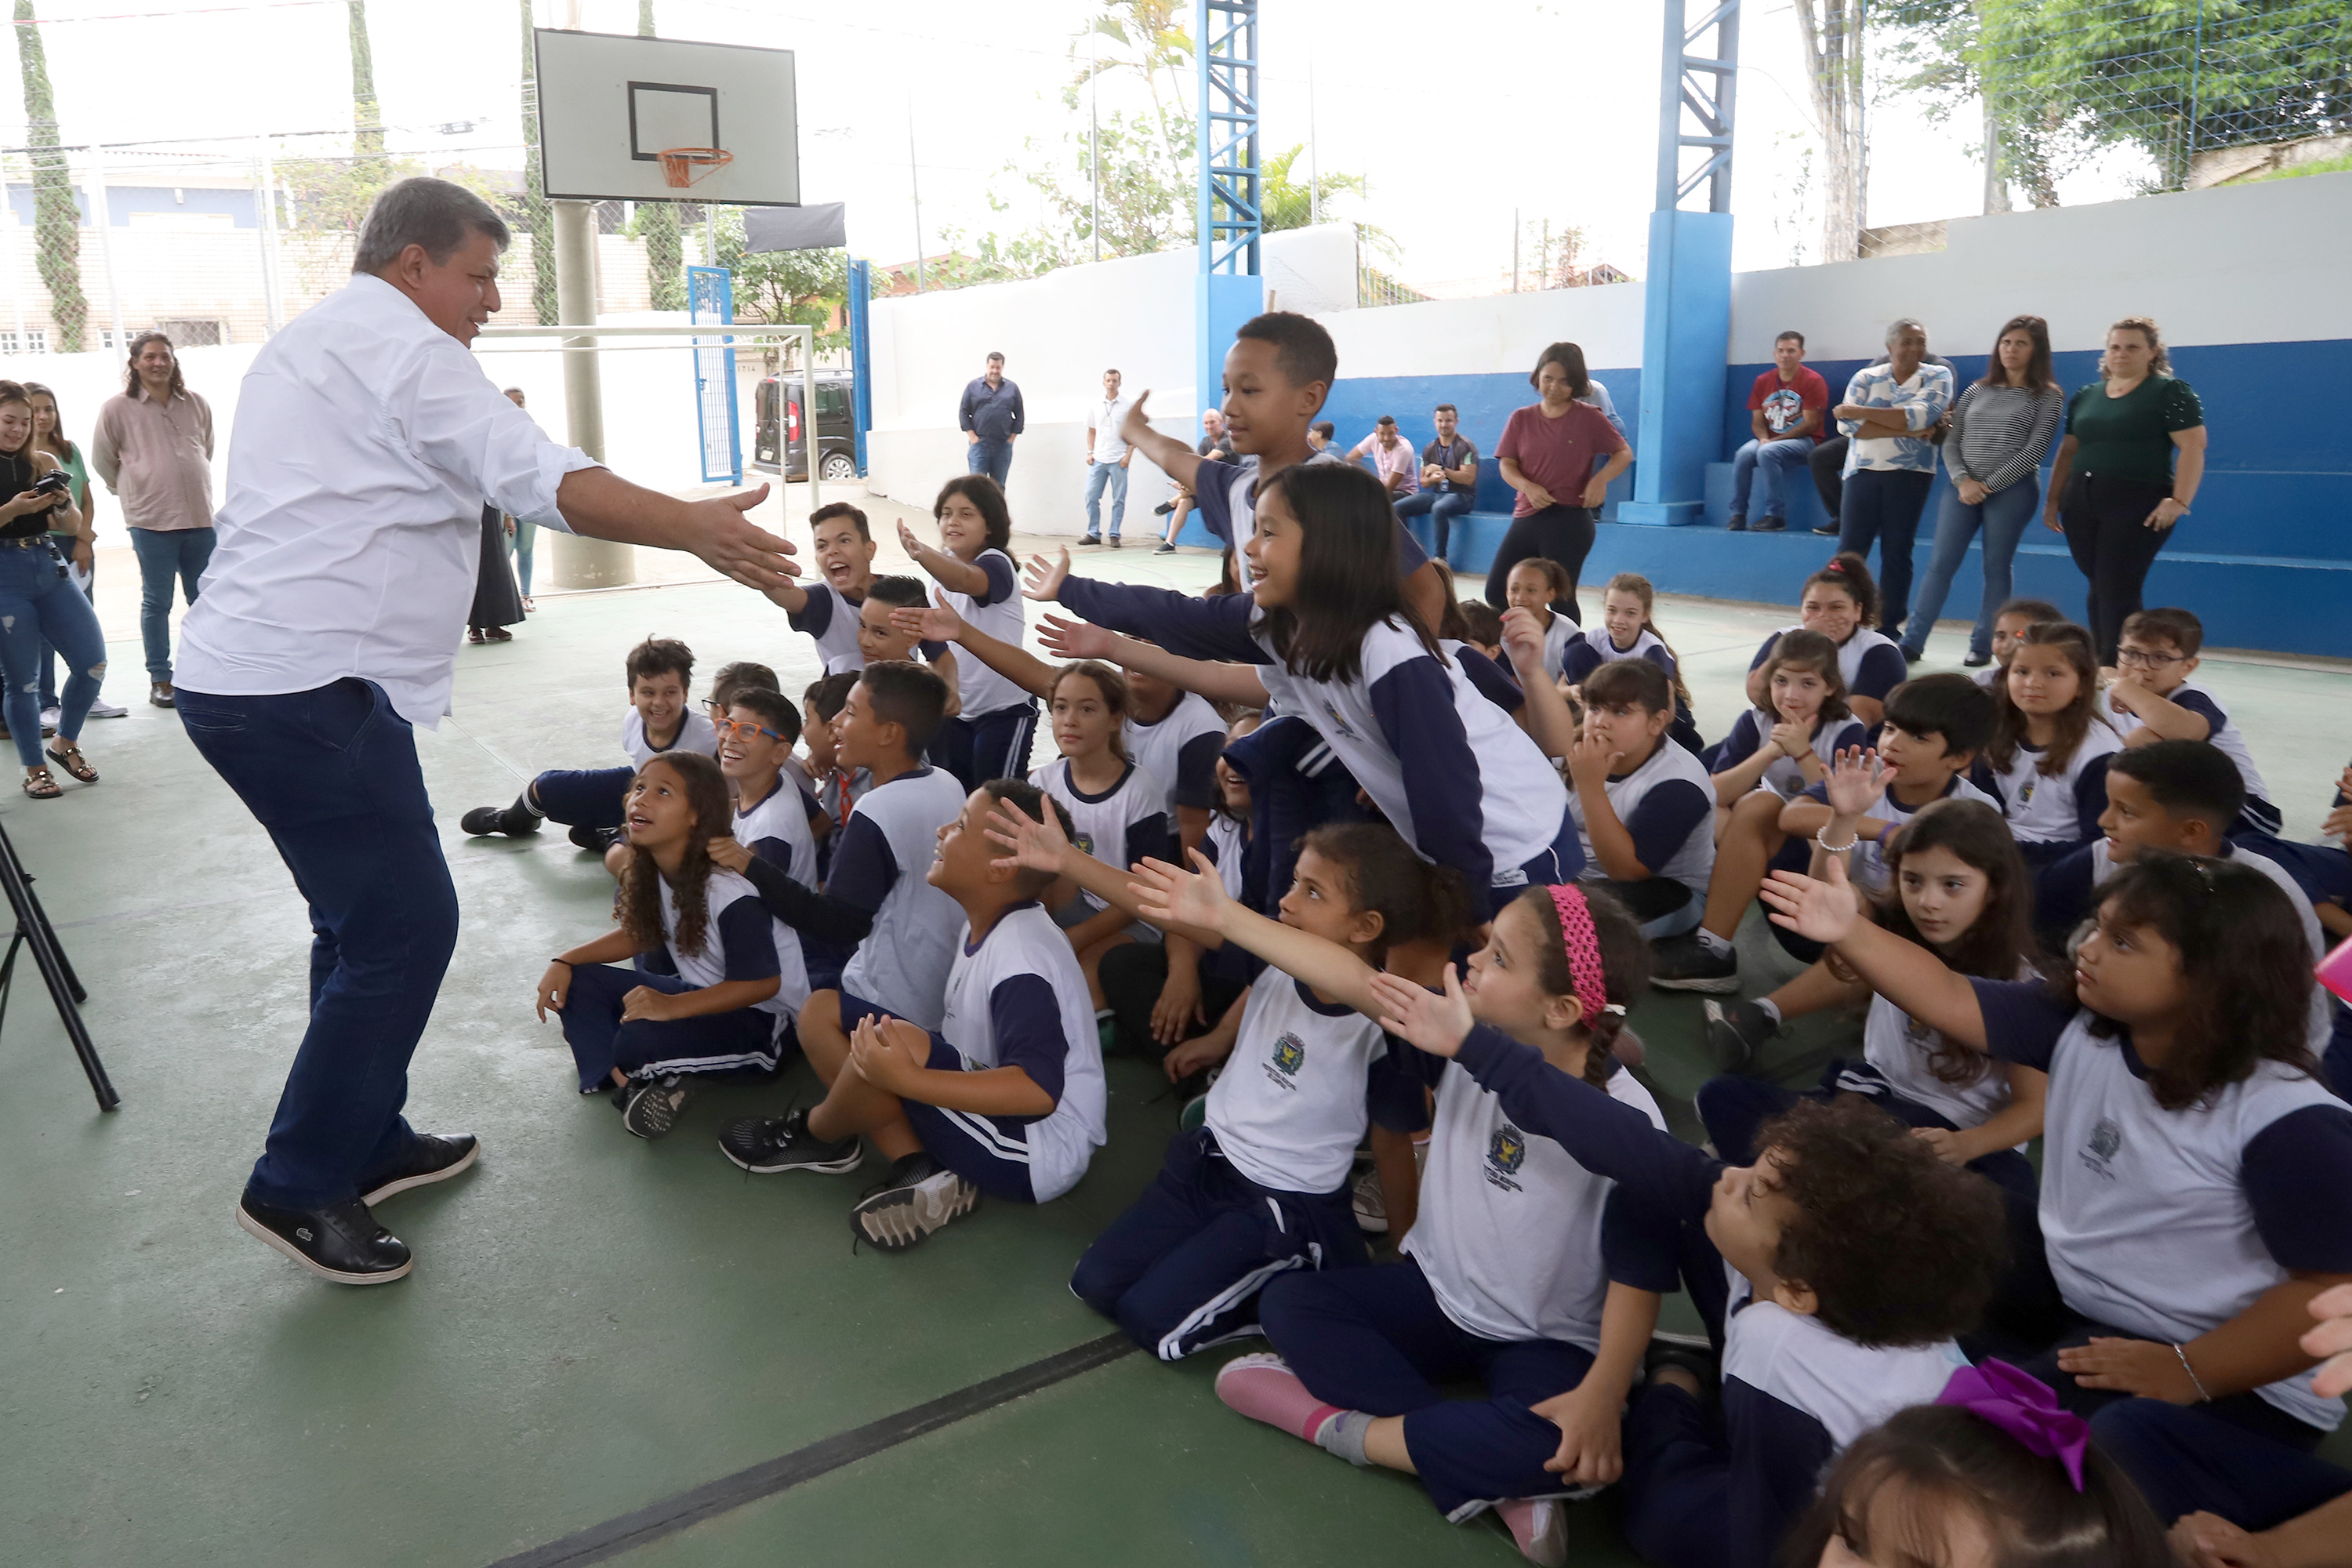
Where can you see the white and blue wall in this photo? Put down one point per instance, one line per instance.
(2247, 282)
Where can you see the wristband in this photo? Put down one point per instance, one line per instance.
(1834, 848)
(2195, 1382)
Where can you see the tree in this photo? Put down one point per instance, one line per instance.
(538, 221)
(1282, 204)
(1830, 31)
(657, 222)
(57, 222)
(776, 287)
(367, 120)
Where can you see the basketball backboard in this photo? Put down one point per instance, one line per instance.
(609, 105)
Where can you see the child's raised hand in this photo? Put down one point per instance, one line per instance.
(1035, 843)
(1823, 911)
(1589, 760)
(731, 854)
(1591, 1451)
(888, 1052)
(554, 987)
(1066, 638)
(1135, 422)
(1856, 780)
(2332, 1339)
(913, 546)
(1435, 1023)
(1044, 576)
(1523, 637)
(1171, 895)
(934, 622)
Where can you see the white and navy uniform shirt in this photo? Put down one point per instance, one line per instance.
(2258, 812)
(1019, 999)
(740, 940)
(2062, 807)
(1867, 867)
(997, 612)
(1753, 730)
(829, 619)
(696, 734)
(1667, 805)
(777, 833)
(880, 865)
(1593, 647)
(2167, 1224)
(1290, 1109)
(1872, 665)
(1227, 845)
(1560, 635)
(2063, 893)
(1224, 498)
(1124, 824)
(1519, 1241)
(1899, 1047)
(1180, 750)
(1480, 795)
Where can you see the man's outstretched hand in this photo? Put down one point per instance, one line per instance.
(725, 537)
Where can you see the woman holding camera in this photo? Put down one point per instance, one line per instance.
(36, 601)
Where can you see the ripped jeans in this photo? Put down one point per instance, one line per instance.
(37, 602)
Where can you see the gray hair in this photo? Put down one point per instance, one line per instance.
(1900, 324)
(421, 210)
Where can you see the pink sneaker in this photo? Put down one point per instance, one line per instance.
(1539, 1526)
(1263, 1388)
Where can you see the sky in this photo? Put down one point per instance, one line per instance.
(1462, 119)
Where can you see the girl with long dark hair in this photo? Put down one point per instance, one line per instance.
(38, 600)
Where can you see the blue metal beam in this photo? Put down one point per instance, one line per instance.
(1227, 290)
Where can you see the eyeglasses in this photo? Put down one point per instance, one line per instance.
(730, 728)
(2140, 655)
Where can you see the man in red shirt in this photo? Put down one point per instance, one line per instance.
(1785, 408)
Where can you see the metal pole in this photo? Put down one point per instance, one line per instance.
(581, 563)
(807, 339)
(915, 183)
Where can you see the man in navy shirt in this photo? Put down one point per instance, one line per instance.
(991, 416)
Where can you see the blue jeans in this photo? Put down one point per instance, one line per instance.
(1098, 476)
(993, 458)
(1778, 460)
(2003, 516)
(49, 653)
(332, 774)
(39, 607)
(1884, 504)
(164, 554)
(1442, 510)
(525, 536)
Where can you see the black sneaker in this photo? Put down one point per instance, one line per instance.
(1736, 1033)
(1736, 524)
(597, 839)
(1687, 963)
(1693, 1355)
(428, 1160)
(1163, 508)
(1771, 524)
(514, 821)
(340, 1242)
(764, 1145)
(1090, 539)
(1165, 549)
(1976, 661)
(917, 1198)
(649, 1108)
(1829, 533)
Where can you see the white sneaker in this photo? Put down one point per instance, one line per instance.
(50, 716)
(106, 711)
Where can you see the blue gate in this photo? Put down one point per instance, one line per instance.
(711, 298)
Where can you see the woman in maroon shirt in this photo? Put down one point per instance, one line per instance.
(1546, 454)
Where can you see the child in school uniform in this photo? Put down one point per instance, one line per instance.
(1841, 602)
(1831, 1275)
(2047, 761)
(1328, 636)
(1004, 1098)
(2323, 869)
(2187, 1136)
(1262, 1187)
(733, 974)
(2009, 629)
(1534, 585)
(1643, 813)
(589, 800)
(771, 844)
(1523, 1270)
(1627, 631)
(1482, 628)
(989, 737)
(826, 611)
(2156, 699)
(1118, 810)
(837, 788)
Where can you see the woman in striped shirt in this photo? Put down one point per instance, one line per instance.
(2001, 428)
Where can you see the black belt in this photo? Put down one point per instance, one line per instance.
(34, 542)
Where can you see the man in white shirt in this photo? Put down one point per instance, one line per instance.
(367, 440)
(1107, 458)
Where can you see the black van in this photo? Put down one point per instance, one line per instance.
(780, 426)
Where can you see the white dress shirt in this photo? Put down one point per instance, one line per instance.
(1104, 419)
(366, 441)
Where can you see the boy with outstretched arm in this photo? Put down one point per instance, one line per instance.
(1006, 1098)
(826, 612)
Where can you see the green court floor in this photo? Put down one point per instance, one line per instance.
(595, 1324)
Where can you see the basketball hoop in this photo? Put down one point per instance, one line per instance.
(683, 166)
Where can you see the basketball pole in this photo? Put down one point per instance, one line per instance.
(581, 563)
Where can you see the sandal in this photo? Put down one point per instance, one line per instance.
(39, 785)
(69, 758)
(473, 633)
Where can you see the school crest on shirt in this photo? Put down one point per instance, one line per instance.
(1507, 1151)
(1083, 842)
(1282, 1064)
(2026, 791)
(1339, 725)
(2106, 1141)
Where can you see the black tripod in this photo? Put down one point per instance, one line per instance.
(34, 930)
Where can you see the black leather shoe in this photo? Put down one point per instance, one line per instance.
(429, 1159)
(340, 1242)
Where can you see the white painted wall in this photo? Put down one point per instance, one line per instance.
(1500, 332)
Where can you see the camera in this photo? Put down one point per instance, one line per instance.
(56, 482)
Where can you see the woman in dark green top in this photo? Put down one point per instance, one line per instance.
(2115, 491)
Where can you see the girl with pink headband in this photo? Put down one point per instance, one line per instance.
(1523, 1270)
